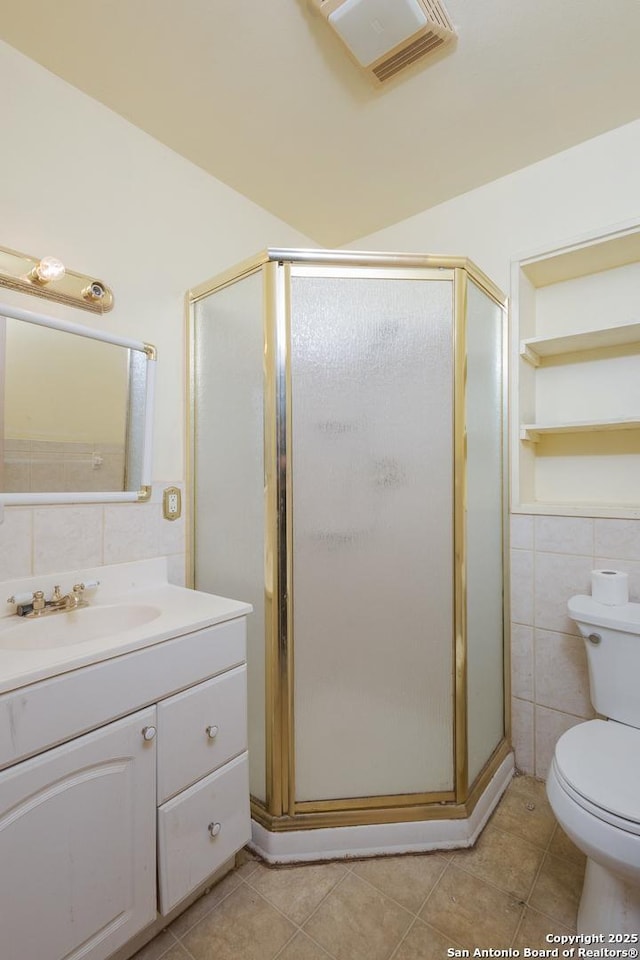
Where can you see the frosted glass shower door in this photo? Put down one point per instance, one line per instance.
(485, 425)
(228, 469)
(371, 459)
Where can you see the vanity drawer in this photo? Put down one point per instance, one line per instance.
(201, 828)
(200, 729)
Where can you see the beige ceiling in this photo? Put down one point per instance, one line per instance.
(263, 95)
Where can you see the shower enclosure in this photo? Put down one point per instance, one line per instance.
(347, 424)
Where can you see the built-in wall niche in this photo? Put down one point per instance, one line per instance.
(576, 378)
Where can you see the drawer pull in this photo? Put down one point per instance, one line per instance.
(212, 732)
(214, 829)
(148, 733)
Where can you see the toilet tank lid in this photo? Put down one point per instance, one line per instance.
(599, 760)
(625, 617)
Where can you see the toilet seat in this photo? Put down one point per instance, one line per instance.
(596, 764)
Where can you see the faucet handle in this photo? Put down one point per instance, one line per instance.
(38, 600)
(20, 599)
(90, 584)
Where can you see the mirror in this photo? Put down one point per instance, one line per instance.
(75, 412)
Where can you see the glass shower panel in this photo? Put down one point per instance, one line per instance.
(484, 418)
(371, 459)
(229, 474)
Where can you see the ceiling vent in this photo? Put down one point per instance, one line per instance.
(385, 36)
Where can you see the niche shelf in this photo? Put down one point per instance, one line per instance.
(536, 349)
(534, 431)
(575, 375)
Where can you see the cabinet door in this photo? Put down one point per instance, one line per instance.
(77, 845)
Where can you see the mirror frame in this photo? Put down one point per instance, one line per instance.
(106, 496)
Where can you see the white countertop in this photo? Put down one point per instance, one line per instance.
(143, 583)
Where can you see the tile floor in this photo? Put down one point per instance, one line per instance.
(521, 881)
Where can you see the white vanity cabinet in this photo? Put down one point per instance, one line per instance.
(103, 766)
(77, 845)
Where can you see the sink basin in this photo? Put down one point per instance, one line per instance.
(75, 626)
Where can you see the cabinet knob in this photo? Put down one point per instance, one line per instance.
(214, 829)
(148, 733)
(212, 731)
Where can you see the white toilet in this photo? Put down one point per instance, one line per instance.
(594, 782)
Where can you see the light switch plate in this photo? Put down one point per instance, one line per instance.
(171, 503)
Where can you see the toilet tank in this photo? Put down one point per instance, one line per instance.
(612, 639)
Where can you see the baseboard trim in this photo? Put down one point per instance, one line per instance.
(380, 839)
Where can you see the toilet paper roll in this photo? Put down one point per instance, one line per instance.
(610, 587)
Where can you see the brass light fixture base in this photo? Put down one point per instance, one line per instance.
(18, 271)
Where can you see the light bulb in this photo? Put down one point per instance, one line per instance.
(48, 269)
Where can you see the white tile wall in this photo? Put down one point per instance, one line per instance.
(48, 539)
(523, 733)
(556, 578)
(522, 586)
(522, 661)
(552, 559)
(617, 538)
(67, 537)
(16, 543)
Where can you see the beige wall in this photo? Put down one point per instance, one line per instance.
(80, 183)
(591, 186)
(583, 190)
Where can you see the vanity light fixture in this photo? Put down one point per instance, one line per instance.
(48, 277)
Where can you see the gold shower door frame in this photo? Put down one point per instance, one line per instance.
(280, 810)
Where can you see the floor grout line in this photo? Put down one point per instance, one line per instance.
(170, 947)
(430, 923)
(317, 943)
(299, 927)
(447, 864)
(434, 887)
(403, 938)
(533, 886)
(285, 945)
(304, 933)
(317, 907)
(494, 885)
(386, 895)
(518, 925)
(204, 915)
(186, 950)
